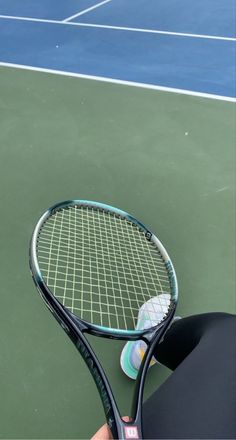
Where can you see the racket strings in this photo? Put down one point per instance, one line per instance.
(101, 266)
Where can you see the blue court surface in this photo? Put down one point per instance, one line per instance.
(190, 48)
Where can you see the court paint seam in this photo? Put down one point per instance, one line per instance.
(120, 28)
(85, 11)
(120, 82)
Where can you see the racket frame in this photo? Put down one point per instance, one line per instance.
(76, 327)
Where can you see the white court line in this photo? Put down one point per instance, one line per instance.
(38, 20)
(86, 10)
(153, 31)
(122, 28)
(121, 82)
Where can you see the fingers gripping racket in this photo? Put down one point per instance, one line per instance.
(95, 266)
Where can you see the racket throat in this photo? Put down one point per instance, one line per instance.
(97, 373)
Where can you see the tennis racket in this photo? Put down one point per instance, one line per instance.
(95, 266)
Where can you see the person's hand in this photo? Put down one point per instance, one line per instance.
(104, 432)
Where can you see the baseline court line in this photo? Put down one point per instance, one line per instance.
(120, 28)
(121, 82)
(153, 31)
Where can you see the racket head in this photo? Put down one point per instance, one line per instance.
(95, 242)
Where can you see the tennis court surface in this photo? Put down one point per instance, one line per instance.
(133, 105)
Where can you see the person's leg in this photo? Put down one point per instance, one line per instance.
(198, 400)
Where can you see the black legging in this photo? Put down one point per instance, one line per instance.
(198, 400)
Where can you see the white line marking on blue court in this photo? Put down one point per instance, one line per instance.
(120, 28)
(121, 82)
(86, 10)
(150, 31)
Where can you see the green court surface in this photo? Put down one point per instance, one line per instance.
(168, 159)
